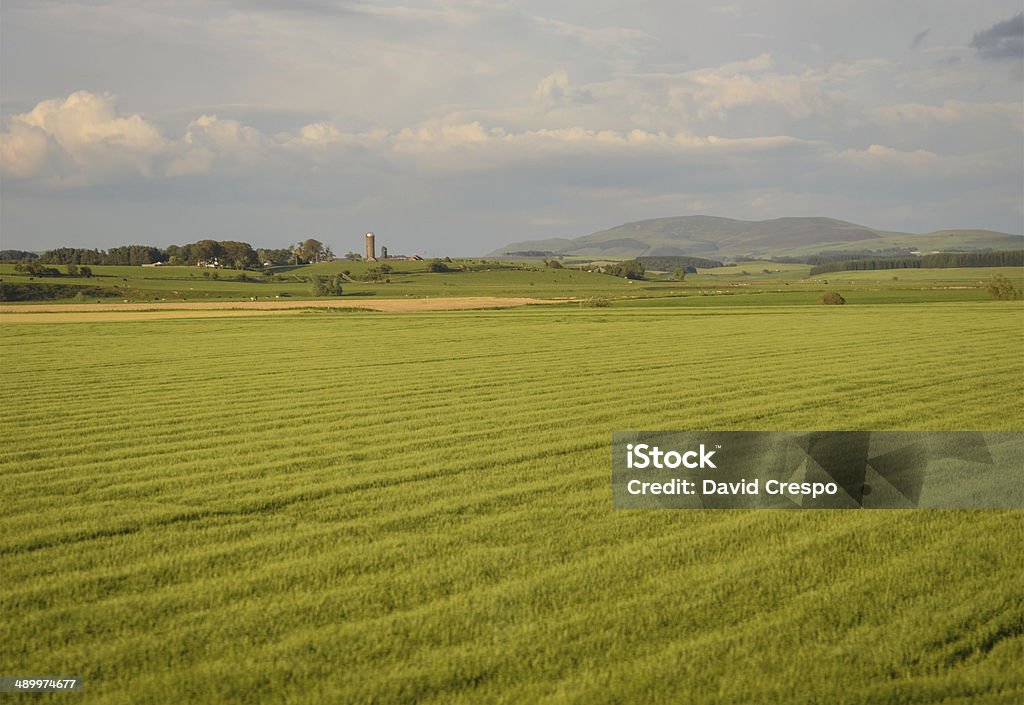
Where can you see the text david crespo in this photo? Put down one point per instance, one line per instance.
(817, 469)
(641, 456)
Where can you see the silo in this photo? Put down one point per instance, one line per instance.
(371, 250)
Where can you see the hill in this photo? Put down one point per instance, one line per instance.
(711, 236)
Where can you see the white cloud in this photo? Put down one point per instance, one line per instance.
(24, 149)
(553, 88)
(878, 157)
(81, 138)
(715, 92)
(228, 139)
(889, 165)
(950, 112)
(616, 38)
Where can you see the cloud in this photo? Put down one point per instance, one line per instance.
(1003, 40)
(878, 157)
(715, 92)
(729, 10)
(451, 14)
(950, 112)
(918, 38)
(554, 89)
(889, 167)
(226, 137)
(79, 140)
(606, 38)
(83, 140)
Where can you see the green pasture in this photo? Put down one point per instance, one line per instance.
(416, 508)
(486, 278)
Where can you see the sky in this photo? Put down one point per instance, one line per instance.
(452, 127)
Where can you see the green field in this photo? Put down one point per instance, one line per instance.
(774, 282)
(383, 508)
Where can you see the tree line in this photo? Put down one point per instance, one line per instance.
(830, 257)
(222, 253)
(940, 260)
(48, 292)
(668, 263)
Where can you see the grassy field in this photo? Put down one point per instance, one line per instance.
(411, 508)
(774, 282)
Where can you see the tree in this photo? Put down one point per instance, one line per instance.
(833, 298)
(631, 269)
(274, 256)
(204, 251)
(317, 286)
(311, 250)
(437, 266)
(353, 256)
(1002, 289)
(552, 263)
(238, 255)
(680, 273)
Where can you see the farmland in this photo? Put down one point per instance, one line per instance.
(772, 282)
(416, 507)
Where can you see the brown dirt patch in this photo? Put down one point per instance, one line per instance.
(64, 313)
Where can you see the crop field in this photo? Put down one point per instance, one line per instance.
(416, 508)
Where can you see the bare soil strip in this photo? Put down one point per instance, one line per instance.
(64, 313)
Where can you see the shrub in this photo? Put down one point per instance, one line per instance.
(595, 302)
(833, 298)
(376, 274)
(1002, 289)
(317, 286)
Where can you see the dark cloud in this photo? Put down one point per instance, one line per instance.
(1003, 40)
(918, 38)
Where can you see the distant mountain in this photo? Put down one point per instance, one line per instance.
(710, 236)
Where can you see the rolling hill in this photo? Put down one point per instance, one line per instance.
(711, 236)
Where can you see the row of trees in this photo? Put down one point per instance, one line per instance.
(48, 292)
(223, 253)
(829, 257)
(127, 255)
(17, 255)
(36, 268)
(669, 263)
(941, 260)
